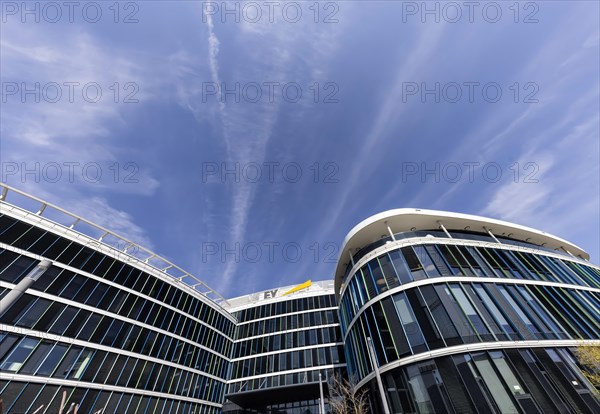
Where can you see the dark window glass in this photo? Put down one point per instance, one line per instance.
(400, 266)
(40, 353)
(49, 317)
(440, 316)
(18, 269)
(16, 310)
(95, 293)
(104, 265)
(69, 253)
(415, 266)
(89, 327)
(375, 270)
(43, 243)
(425, 260)
(63, 320)
(60, 282)
(15, 359)
(477, 323)
(367, 279)
(485, 314)
(457, 391)
(34, 313)
(56, 248)
(6, 343)
(46, 279)
(6, 259)
(73, 287)
(409, 323)
(496, 312)
(13, 230)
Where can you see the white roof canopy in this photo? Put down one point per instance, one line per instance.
(411, 219)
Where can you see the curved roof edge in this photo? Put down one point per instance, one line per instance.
(127, 250)
(411, 219)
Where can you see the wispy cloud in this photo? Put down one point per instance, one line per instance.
(70, 130)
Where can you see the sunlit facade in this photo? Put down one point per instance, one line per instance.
(466, 314)
(283, 342)
(91, 320)
(430, 312)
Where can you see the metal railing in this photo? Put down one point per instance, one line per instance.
(123, 245)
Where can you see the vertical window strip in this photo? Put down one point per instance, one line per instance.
(502, 319)
(575, 297)
(542, 328)
(471, 312)
(543, 293)
(554, 325)
(564, 299)
(563, 274)
(494, 264)
(460, 310)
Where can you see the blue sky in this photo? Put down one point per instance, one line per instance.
(152, 161)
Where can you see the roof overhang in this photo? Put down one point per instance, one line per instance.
(412, 219)
(258, 399)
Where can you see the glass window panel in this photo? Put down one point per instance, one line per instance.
(457, 316)
(34, 313)
(471, 313)
(509, 377)
(50, 363)
(17, 269)
(439, 261)
(414, 264)
(461, 261)
(47, 278)
(440, 316)
(17, 357)
(517, 308)
(49, 317)
(40, 353)
(388, 271)
(6, 343)
(400, 266)
(420, 396)
(425, 259)
(492, 380)
(409, 322)
(377, 275)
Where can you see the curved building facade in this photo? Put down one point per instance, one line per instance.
(92, 323)
(286, 337)
(429, 312)
(453, 313)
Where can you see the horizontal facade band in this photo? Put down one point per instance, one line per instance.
(113, 284)
(395, 245)
(291, 371)
(457, 279)
(485, 346)
(113, 388)
(68, 233)
(98, 347)
(279, 315)
(283, 351)
(78, 305)
(306, 328)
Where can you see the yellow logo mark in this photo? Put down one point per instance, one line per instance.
(299, 287)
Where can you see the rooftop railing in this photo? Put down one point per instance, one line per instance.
(132, 251)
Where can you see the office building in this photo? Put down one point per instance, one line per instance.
(429, 311)
(466, 314)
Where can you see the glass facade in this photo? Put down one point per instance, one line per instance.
(283, 345)
(462, 319)
(462, 322)
(103, 333)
